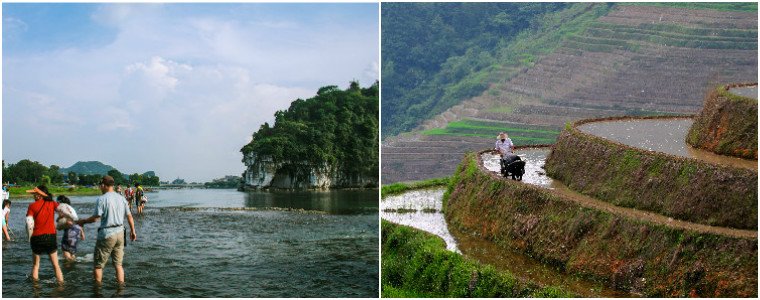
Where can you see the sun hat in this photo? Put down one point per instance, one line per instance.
(502, 135)
(37, 190)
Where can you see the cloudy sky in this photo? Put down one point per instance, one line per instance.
(173, 88)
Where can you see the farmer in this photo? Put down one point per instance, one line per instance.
(505, 147)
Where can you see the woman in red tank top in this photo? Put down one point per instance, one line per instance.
(43, 240)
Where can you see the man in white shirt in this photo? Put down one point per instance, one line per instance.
(505, 147)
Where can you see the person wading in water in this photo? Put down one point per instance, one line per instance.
(41, 224)
(110, 209)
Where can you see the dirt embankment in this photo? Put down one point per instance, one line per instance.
(681, 188)
(623, 252)
(727, 124)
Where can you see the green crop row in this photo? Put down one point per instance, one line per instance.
(682, 41)
(400, 187)
(520, 134)
(731, 6)
(673, 28)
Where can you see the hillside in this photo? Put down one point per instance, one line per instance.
(608, 61)
(88, 168)
(329, 140)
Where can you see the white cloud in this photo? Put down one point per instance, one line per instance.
(188, 90)
(12, 27)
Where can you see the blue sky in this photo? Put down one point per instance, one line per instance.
(173, 88)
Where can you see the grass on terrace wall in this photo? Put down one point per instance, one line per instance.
(623, 253)
(681, 188)
(727, 125)
(417, 264)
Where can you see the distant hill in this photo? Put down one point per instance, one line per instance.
(88, 167)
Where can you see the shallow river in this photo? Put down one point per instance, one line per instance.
(221, 243)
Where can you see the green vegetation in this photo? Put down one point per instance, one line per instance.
(724, 6)
(27, 172)
(613, 249)
(417, 264)
(336, 130)
(19, 191)
(228, 182)
(400, 187)
(436, 55)
(521, 134)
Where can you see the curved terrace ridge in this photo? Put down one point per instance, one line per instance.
(684, 188)
(624, 212)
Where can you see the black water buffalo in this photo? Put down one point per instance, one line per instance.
(512, 165)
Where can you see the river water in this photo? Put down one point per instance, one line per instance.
(221, 243)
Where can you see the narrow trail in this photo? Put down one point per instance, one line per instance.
(489, 163)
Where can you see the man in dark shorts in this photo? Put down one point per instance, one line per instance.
(139, 198)
(43, 240)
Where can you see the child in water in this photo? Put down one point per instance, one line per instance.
(72, 233)
(5, 214)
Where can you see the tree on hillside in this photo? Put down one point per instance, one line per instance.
(431, 51)
(334, 129)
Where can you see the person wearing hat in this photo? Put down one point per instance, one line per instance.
(505, 147)
(41, 223)
(110, 209)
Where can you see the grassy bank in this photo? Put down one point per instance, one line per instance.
(400, 187)
(618, 251)
(727, 125)
(678, 187)
(417, 264)
(20, 191)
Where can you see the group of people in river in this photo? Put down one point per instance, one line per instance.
(111, 209)
(134, 196)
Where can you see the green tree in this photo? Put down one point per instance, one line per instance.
(45, 179)
(26, 171)
(54, 172)
(118, 177)
(73, 178)
(335, 130)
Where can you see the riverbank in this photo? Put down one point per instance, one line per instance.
(20, 191)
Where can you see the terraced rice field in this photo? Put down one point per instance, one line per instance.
(636, 60)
